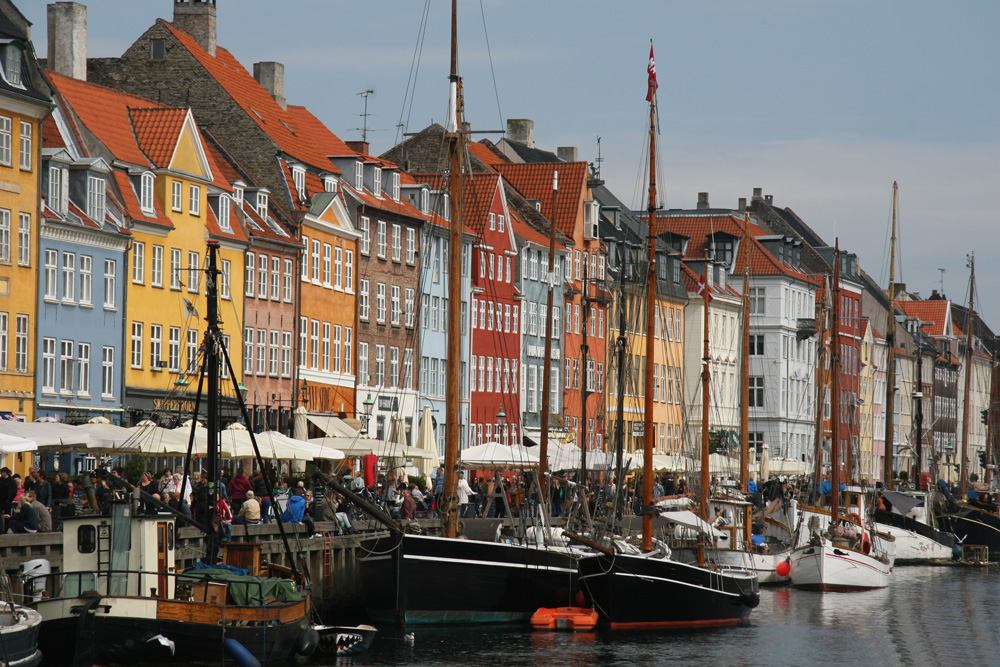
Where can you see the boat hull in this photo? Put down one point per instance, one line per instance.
(764, 565)
(640, 592)
(420, 579)
(915, 542)
(972, 526)
(19, 634)
(826, 567)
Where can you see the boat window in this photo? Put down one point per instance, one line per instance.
(170, 536)
(86, 539)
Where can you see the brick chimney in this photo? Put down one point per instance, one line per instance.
(702, 200)
(67, 34)
(271, 76)
(757, 194)
(567, 153)
(197, 18)
(521, 131)
(742, 205)
(358, 146)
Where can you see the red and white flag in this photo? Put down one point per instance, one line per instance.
(651, 71)
(701, 287)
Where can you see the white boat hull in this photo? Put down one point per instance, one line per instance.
(831, 568)
(764, 565)
(912, 547)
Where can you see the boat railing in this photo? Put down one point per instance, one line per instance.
(139, 583)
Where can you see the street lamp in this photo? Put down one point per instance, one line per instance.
(304, 392)
(366, 413)
(501, 423)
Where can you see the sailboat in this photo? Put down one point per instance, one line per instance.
(838, 550)
(413, 578)
(119, 597)
(645, 588)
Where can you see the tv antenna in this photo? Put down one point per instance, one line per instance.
(364, 123)
(598, 160)
(942, 281)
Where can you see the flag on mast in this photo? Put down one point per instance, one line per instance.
(702, 283)
(651, 70)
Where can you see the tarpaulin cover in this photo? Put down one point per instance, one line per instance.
(246, 590)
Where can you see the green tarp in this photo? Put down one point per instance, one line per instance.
(246, 590)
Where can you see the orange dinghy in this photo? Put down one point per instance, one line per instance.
(564, 618)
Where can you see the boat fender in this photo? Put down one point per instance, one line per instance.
(308, 642)
(239, 653)
(750, 599)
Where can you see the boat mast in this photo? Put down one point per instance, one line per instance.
(822, 354)
(890, 344)
(962, 471)
(456, 149)
(835, 390)
(745, 386)
(213, 338)
(543, 441)
(990, 434)
(648, 404)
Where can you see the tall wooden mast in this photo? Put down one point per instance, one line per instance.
(543, 442)
(648, 404)
(456, 150)
(963, 470)
(835, 389)
(890, 344)
(745, 386)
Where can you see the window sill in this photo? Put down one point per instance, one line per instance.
(157, 286)
(49, 392)
(136, 368)
(83, 394)
(51, 300)
(87, 305)
(107, 397)
(66, 393)
(67, 302)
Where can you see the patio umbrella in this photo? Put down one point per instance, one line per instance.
(494, 454)
(12, 444)
(764, 464)
(426, 442)
(47, 434)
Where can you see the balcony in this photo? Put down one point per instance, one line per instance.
(805, 328)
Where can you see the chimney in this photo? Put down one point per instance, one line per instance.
(757, 194)
(567, 153)
(197, 18)
(271, 76)
(522, 131)
(769, 199)
(358, 146)
(702, 200)
(68, 39)
(743, 205)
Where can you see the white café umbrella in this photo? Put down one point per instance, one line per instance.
(764, 464)
(426, 442)
(106, 437)
(12, 444)
(236, 443)
(47, 434)
(152, 440)
(494, 454)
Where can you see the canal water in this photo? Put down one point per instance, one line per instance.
(927, 616)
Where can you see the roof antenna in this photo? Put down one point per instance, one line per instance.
(598, 160)
(364, 128)
(942, 281)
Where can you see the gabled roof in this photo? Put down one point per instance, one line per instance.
(486, 154)
(692, 280)
(235, 233)
(157, 130)
(534, 181)
(477, 196)
(131, 203)
(426, 153)
(934, 314)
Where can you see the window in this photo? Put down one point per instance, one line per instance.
(107, 372)
(275, 278)
(224, 213)
(348, 349)
(157, 279)
(338, 268)
(305, 258)
(337, 332)
(58, 188)
(238, 194)
(299, 179)
(757, 301)
(326, 346)
(224, 283)
(380, 240)
(4, 323)
(155, 346)
(396, 309)
(380, 303)
(26, 132)
(501, 223)
(86, 279)
(286, 354)
(261, 276)
(366, 239)
(4, 235)
(756, 399)
(174, 349)
(138, 261)
(303, 341)
(21, 345)
(315, 260)
(329, 184)
(262, 205)
(68, 276)
(66, 366)
(757, 344)
(5, 140)
(379, 365)
(410, 307)
(175, 268)
(408, 367)
(51, 271)
(24, 239)
(363, 363)
(393, 366)
(397, 243)
(224, 372)
(193, 271)
(314, 343)
(377, 181)
(395, 185)
(195, 200)
(359, 175)
(175, 202)
(157, 49)
(411, 245)
(49, 364)
(248, 350)
(289, 271)
(146, 193)
(327, 249)
(364, 305)
(275, 351)
(261, 352)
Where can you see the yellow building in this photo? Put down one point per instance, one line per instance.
(24, 103)
(174, 199)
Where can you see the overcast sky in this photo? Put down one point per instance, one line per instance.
(822, 104)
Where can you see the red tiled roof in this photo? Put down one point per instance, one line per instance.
(933, 314)
(51, 138)
(485, 155)
(534, 181)
(477, 197)
(212, 224)
(131, 202)
(157, 131)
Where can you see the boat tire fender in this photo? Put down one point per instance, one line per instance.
(750, 599)
(307, 643)
(239, 653)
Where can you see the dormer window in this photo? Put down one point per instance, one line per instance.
(262, 205)
(425, 197)
(329, 184)
(299, 179)
(146, 192)
(238, 193)
(224, 214)
(395, 185)
(359, 175)
(377, 181)
(12, 64)
(95, 199)
(447, 207)
(58, 189)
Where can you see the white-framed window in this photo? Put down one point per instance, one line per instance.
(286, 354)
(379, 365)
(394, 366)
(224, 223)
(316, 245)
(138, 262)
(359, 175)
(5, 140)
(377, 182)
(176, 200)
(395, 185)
(303, 341)
(238, 194)
(86, 279)
(493, 221)
(224, 283)
(381, 240)
(756, 395)
(174, 349)
(250, 274)
(51, 274)
(4, 323)
(49, 365)
(224, 371)
(194, 271)
(380, 303)
(107, 372)
(262, 276)
(299, 180)
(329, 184)
(157, 278)
(349, 270)
(24, 239)
(757, 295)
(289, 272)
(363, 363)
(155, 346)
(366, 238)
(262, 205)
(408, 368)
(248, 350)
(327, 250)
(195, 200)
(364, 305)
(68, 277)
(395, 305)
(304, 275)
(410, 307)
(110, 283)
(275, 278)
(261, 352)
(26, 142)
(411, 245)
(274, 353)
(137, 344)
(58, 188)
(4, 235)
(501, 223)
(66, 364)
(326, 346)
(21, 345)
(397, 243)
(314, 344)
(146, 193)
(348, 350)
(175, 268)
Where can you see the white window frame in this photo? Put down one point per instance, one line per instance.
(175, 268)
(176, 201)
(137, 341)
(194, 200)
(157, 278)
(107, 373)
(86, 280)
(21, 344)
(49, 365)
(146, 193)
(194, 271)
(110, 283)
(51, 275)
(6, 140)
(68, 277)
(26, 144)
(24, 239)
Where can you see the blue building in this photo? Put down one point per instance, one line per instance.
(81, 295)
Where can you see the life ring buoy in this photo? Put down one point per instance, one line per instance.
(855, 517)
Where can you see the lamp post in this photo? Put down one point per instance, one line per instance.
(366, 413)
(502, 423)
(304, 393)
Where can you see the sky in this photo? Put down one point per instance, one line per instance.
(821, 103)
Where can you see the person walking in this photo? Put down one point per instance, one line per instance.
(239, 488)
